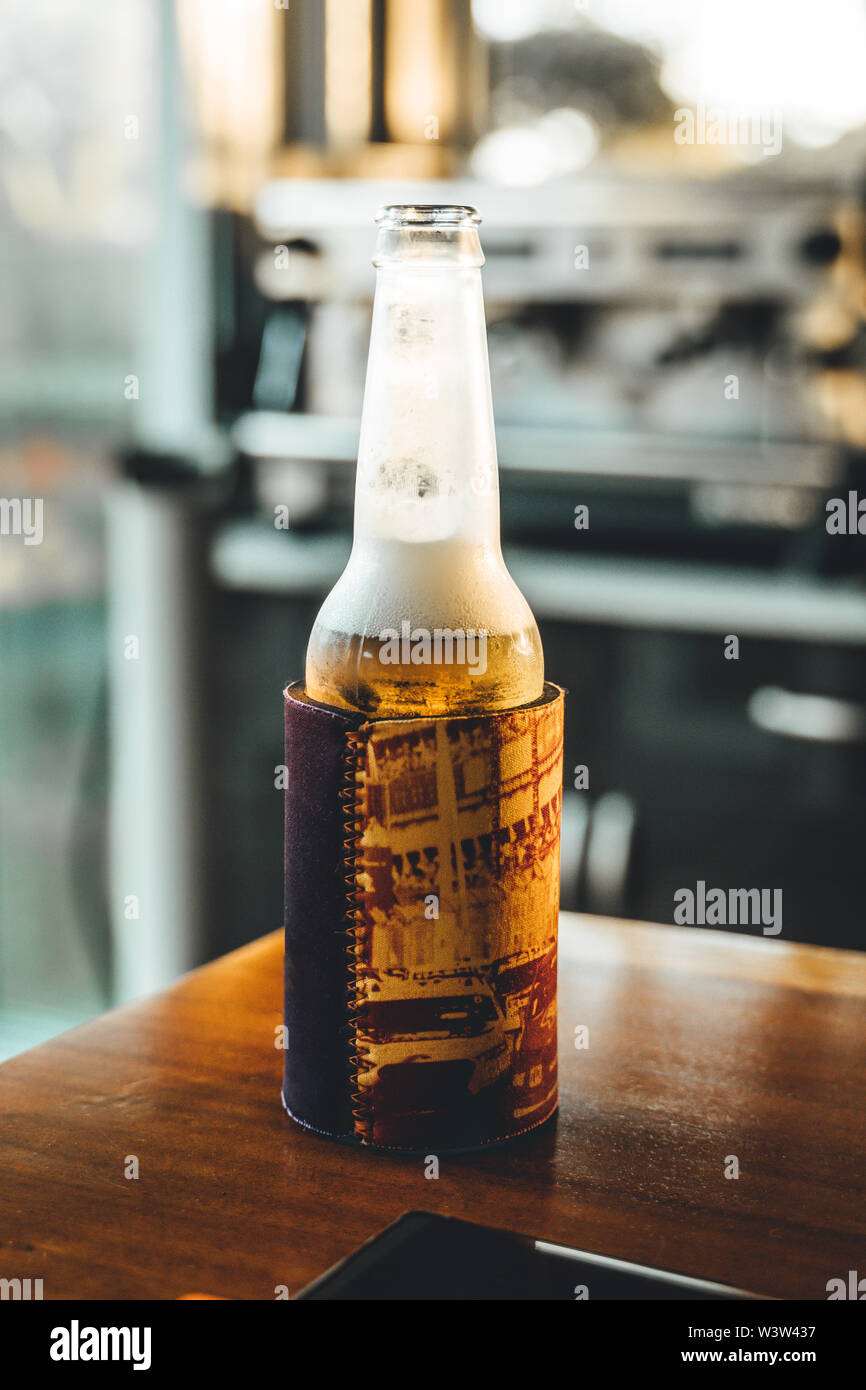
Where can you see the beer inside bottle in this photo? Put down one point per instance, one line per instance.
(426, 619)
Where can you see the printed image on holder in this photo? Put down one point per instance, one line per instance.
(456, 873)
(421, 1008)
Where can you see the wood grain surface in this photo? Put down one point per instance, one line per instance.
(702, 1045)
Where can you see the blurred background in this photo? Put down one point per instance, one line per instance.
(674, 203)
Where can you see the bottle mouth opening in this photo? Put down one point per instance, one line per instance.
(450, 215)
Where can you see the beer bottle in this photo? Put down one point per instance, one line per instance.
(426, 619)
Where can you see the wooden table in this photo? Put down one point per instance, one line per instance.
(703, 1045)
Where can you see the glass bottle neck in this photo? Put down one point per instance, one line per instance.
(427, 468)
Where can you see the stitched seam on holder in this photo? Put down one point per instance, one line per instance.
(353, 799)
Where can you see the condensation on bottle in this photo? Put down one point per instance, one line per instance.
(426, 619)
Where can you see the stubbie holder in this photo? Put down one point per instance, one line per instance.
(421, 899)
